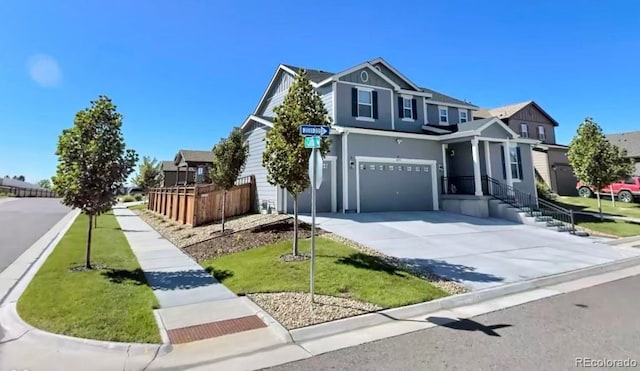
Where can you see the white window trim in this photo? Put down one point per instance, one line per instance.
(517, 163)
(524, 133)
(365, 118)
(410, 98)
(440, 116)
(460, 111)
(542, 134)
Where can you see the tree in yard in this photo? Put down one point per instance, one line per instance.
(229, 158)
(285, 158)
(596, 162)
(44, 183)
(93, 162)
(149, 174)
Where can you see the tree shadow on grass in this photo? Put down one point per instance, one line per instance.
(364, 261)
(219, 274)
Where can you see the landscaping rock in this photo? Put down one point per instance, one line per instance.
(294, 309)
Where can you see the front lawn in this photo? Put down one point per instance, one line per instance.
(138, 207)
(112, 303)
(591, 204)
(340, 271)
(618, 228)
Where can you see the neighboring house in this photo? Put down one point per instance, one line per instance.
(395, 146)
(194, 165)
(172, 177)
(529, 120)
(631, 142)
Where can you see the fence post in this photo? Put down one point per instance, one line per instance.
(573, 227)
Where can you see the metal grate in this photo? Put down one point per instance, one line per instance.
(214, 329)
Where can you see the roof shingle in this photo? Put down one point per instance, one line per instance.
(196, 156)
(313, 75)
(628, 140)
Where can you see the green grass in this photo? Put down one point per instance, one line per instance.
(113, 303)
(591, 204)
(339, 270)
(612, 227)
(138, 207)
(127, 198)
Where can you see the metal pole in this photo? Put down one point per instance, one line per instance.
(313, 220)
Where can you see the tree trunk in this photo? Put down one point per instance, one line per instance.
(295, 225)
(95, 221)
(224, 201)
(599, 205)
(87, 260)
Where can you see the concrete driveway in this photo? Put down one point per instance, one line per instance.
(477, 252)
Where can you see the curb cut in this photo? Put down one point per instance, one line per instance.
(14, 324)
(411, 311)
(271, 322)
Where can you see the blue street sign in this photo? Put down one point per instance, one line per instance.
(312, 142)
(313, 130)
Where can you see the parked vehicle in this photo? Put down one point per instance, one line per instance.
(626, 190)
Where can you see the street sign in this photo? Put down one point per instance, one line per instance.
(312, 142)
(312, 130)
(315, 160)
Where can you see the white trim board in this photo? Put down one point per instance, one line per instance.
(394, 160)
(345, 172)
(367, 65)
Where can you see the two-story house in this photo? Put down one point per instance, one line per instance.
(550, 160)
(395, 146)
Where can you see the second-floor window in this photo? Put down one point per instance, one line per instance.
(541, 134)
(463, 116)
(407, 108)
(443, 113)
(364, 104)
(524, 130)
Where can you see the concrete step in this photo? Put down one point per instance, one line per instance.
(544, 218)
(554, 223)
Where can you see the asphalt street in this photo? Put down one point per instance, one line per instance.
(23, 221)
(595, 326)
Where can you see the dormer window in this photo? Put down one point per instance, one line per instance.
(443, 113)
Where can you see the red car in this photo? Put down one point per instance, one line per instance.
(625, 190)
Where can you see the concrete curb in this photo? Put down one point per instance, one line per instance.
(624, 240)
(276, 326)
(474, 297)
(29, 263)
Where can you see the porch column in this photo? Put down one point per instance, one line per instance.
(445, 184)
(507, 162)
(477, 181)
(487, 163)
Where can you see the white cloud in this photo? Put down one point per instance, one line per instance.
(44, 70)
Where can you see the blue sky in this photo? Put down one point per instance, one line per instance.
(183, 73)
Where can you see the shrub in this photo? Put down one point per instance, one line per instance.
(138, 197)
(127, 198)
(544, 192)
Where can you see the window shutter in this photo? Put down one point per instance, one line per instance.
(519, 163)
(354, 102)
(504, 165)
(401, 107)
(374, 102)
(414, 109)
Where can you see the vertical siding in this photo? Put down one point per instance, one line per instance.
(265, 192)
(276, 95)
(395, 78)
(374, 79)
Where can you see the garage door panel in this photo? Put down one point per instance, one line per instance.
(323, 195)
(395, 187)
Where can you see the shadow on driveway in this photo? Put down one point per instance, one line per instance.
(451, 271)
(465, 324)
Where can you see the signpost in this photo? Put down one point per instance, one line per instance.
(313, 135)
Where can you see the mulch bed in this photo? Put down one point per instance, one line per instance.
(248, 239)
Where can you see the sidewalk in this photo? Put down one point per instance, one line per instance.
(194, 306)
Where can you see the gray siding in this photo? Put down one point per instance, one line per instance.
(454, 118)
(271, 103)
(378, 146)
(374, 79)
(527, 184)
(344, 118)
(397, 79)
(461, 164)
(276, 95)
(433, 115)
(326, 93)
(495, 131)
(265, 192)
(408, 125)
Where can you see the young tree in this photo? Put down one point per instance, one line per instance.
(44, 183)
(595, 161)
(229, 158)
(149, 174)
(93, 162)
(285, 158)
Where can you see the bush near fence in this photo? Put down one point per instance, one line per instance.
(201, 204)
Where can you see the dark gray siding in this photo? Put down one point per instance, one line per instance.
(461, 163)
(414, 126)
(495, 131)
(397, 79)
(344, 117)
(374, 79)
(432, 114)
(379, 146)
(265, 192)
(527, 184)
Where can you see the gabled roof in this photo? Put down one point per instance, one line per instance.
(193, 156)
(392, 69)
(506, 112)
(313, 75)
(169, 166)
(629, 140)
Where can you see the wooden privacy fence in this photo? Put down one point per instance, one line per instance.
(27, 192)
(200, 204)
